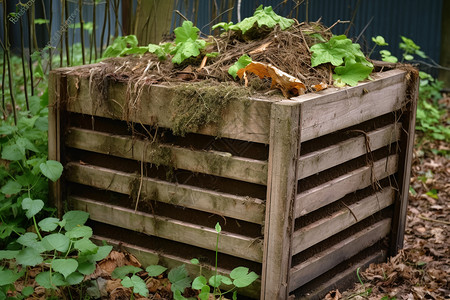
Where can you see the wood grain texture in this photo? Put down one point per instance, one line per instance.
(191, 234)
(238, 207)
(324, 228)
(334, 155)
(337, 188)
(326, 260)
(209, 162)
(281, 191)
(331, 110)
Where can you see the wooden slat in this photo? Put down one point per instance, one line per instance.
(241, 208)
(334, 155)
(281, 190)
(326, 260)
(330, 110)
(149, 257)
(322, 229)
(209, 162)
(243, 119)
(337, 188)
(232, 244)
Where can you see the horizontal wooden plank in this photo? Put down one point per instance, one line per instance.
(330, 110)
(337, 188)
(149, 257)
(326, 260)
(191, 234)
(246, 120)
(334, 155)
(241, 208)
(324, 228)
(209, 162)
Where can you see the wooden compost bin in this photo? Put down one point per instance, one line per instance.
(306, 189)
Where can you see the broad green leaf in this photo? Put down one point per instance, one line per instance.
(137, 283)
(225, 26)
(195, 261)
(75, 218)
(29, 257)
(87, 267)
(204, 292)
(332, 51)
(199, 282)
(215, 280)
(51, 169)
(27, 291)
(50, 280)
(26, 123)
(56, 241)
(135, 50)
(379, 40)
(48, 224)
(27, 179)
(6, 129)
(74, 278)
(8, 254)
(102, 252)
(11, 187)
(85, 246)
(155, 270)
(65, 266)
(352, 72)
(177, 296)
(30, 239)
(185, 32)
(179, 279)
(121, 272)
(241, 277)
(26, 144)
(189, 48)
(242, 62)
(12, 152)
(9, 276)
(32, 207)
(79, 232)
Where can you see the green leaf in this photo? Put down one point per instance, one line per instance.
(204, 293)
(225, 26)
(189, 48)
(218, 228)
(212, 54)
(29, 257)
(408, 56)
(215, 280)
(135, 50)
(195, 261)
(199, 282)
(102, 252)
(51, 169)
(65, 266)
(185, 32)
(48, 224)
(74, 278)
(241, 277)
(379, 40)
(50, 280)
(85, 246)
(137, 284)
(9, 276)
(332, 51)
(121, 272)
(8, 254)
(27, 291)
(56, 241)
(24, 143)
(74, 218)
(155, 270)
(32, 207)
(30, 239)
(87, 267)
(79, 232)
(6, 129)
(242, 62)
(352, 72)
(177, 296)
(179, 279)
(11, 187)
(12, 152)
(41, 21)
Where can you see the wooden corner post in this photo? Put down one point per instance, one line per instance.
(284, 150)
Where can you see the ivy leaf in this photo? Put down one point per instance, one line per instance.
(65, 266)
(137, 284)
(179, 279)
(155, 270)
(352, 72)
(32, 207)
(185, 32)
(85, 246)
(51, 169)
(29, 239)
(241, 277)
(102, 252)
(242, 62)
(29, 257)
(79, 232)
(56, 241)
(48, 224)
(11, 187)
(74, 218)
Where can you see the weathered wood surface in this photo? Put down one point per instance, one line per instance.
(337, 188)
(149, 257)
(334, 155)
(209, 162)
(238, 207)
(243, 119)
(191, 234)
(324, 228)
(326, 260)
(281, 191)
(331, 110)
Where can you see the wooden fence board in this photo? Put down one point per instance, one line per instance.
(191, 234)
(330, 110)
(338, 253)
(337, 188)
(334, 155)
(238, 207)
(324, 228)
(208, 162)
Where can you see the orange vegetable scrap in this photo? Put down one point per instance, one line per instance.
(289, 85)
(319, 87)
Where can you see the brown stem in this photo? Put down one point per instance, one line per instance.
(104, 27)
(30, 62)
(80, 12)
(25, 88)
